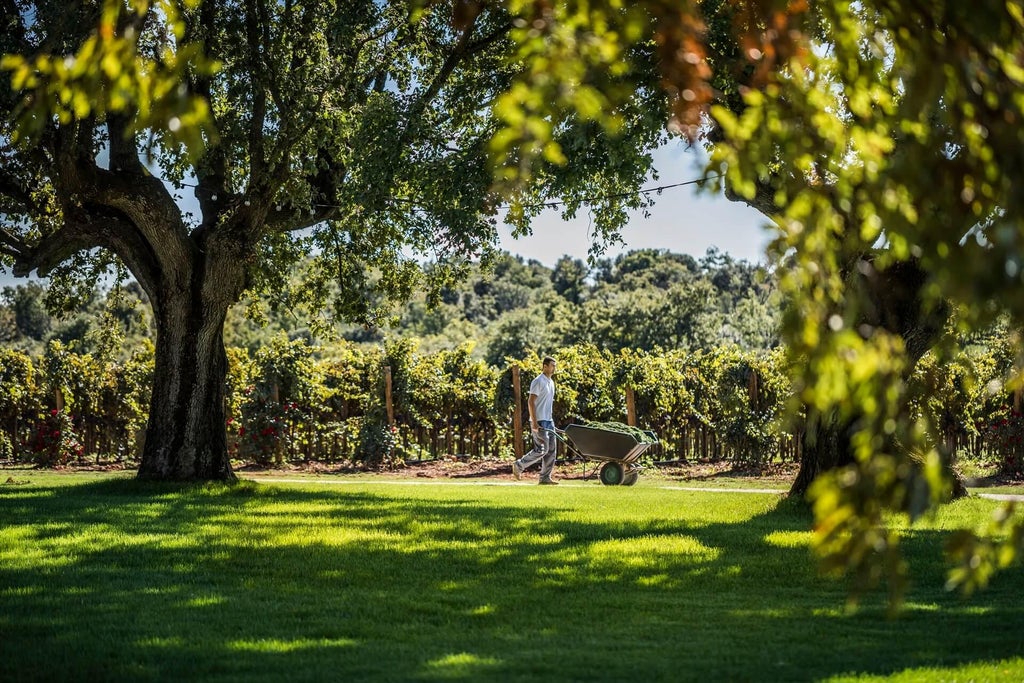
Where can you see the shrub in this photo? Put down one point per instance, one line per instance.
(55, 442)
(377, 440)
(1005, 437)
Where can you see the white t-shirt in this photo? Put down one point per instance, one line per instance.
(543, 387)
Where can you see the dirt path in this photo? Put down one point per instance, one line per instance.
(721, 476)
(703, 477)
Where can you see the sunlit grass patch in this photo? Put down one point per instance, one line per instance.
(461, 665)
(789, 539)
(981, 672)
(271, 646)
(651, 552)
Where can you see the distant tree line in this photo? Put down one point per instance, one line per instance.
(644, 300)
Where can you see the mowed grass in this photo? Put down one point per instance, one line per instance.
(103, 578)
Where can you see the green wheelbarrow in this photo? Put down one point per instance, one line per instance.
(617, 452)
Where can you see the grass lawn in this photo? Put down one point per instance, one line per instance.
(102, 578)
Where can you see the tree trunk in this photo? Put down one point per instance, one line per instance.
(824, 447)
(186, 437)
(893, 301)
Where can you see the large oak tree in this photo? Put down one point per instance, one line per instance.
(352, 132)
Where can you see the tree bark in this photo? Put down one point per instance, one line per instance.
(186, 438)
(825, 446)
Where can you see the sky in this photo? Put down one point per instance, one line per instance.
(681, 220)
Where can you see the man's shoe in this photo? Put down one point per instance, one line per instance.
(547, 482)
(517, 470)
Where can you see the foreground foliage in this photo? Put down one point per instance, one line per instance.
(102, 578)
(879, 138)
(890, 89)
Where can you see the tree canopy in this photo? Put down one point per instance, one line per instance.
(897, 124)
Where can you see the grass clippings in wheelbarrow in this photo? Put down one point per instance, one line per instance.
(640, 435)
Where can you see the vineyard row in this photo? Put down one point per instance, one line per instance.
(292, 402)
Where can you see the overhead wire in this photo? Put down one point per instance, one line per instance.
(618, 195)
(548, 204)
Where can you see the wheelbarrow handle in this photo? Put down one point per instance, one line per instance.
(556, 431)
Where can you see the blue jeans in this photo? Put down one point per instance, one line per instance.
(545, 448)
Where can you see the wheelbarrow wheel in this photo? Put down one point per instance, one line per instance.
(611, 474)
(630, 477)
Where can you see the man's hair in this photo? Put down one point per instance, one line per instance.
(548, 360)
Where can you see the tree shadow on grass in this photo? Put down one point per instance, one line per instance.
(124, 580)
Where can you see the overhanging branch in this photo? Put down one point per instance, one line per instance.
(464, 48)
(10, 187)
(55, 249)
(109, 232)
(763, 199)
(293, 220)
(11, 245)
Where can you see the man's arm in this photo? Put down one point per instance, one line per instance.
(532, 403)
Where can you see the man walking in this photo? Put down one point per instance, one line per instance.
(542, 425)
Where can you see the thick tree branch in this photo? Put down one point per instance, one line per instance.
(211, 170)
(67, 175)
(463, 48)
(144, 203)
(74, 236)
(763, 199)
(255, 40)
(489, 39)
(764, 189)
(292, 220)
(11, 244)
(124, 155)
(11, 188)
(57, 248)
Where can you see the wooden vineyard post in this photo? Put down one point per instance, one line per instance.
(517, 414)
(387, 395)
(630, 407)
(58, 399)
(754, 390)
(279, 443)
